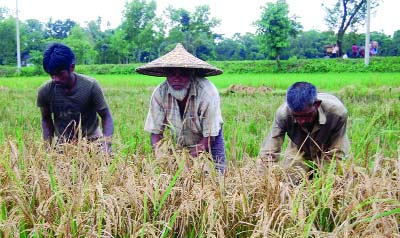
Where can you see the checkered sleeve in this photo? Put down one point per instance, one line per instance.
(156, 115)
(211, 119)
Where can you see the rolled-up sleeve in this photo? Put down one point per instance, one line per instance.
(340, 144)
(271, 147)
(155, 121)
(211, 120)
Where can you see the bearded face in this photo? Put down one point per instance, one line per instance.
(178, 80)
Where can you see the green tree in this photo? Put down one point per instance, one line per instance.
(8, 41)
(201, 30)
(138, 24)
(82, 46)
(179, 27)
(195, 30)
(59, 29)
(4, 13)
(239, 47)
(345, 14)
(274, 29)
(395, 46)
(250, 46)
(118, 49)
(93, 29)
(349, 39)
(310, 44)
(37, 60)
(226, 49)
(385, 42)
(32, 38)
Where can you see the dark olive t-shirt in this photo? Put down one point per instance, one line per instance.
(76, 109)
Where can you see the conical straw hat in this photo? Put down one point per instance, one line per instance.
(178, 58)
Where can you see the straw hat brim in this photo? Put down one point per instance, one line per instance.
(178, 58)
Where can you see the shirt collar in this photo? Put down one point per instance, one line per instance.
(193, 88)
(321, 116)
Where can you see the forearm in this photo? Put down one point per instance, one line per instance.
(155, 139)
(271, 148)
(107, 123)
(47, 130)
(339, 151)
(340, 146)
(108, 127)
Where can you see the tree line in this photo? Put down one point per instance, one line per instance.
(143, 36)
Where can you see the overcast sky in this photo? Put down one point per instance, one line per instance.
(235, 15)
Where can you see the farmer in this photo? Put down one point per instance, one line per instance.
(354, 50)
(335, 51)
(69, 102)
(315, 125)
(187, 103)
(361, 52)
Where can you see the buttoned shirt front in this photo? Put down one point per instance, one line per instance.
(201, 118)
(327, 135)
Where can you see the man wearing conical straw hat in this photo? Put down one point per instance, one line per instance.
(187, 103)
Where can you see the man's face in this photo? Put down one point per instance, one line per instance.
(179, 78)
(64, 78)
(307, 117)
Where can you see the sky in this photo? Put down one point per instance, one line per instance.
(235, 15)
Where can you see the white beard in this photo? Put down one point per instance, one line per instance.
(179, 94)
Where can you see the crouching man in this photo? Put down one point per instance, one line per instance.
(315, 124)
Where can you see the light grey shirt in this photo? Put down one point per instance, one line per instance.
(202, 116)
(328, 133)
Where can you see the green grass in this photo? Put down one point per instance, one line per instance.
(326, 81)
(371, 98)
(80, 193)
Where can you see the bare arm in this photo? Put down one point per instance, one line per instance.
(154, 139)
(106, 122)
(47, 125)
(271, 147)
(340, 145)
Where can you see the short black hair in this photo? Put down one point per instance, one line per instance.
(300, 96)
(57, 57)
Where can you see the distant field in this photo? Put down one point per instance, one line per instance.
(247, 116)
(326, 81)
(80, 194)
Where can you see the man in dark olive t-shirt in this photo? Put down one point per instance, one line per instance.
(69, 102)
(70, 108)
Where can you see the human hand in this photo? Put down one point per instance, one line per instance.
(158, 152)
(47, 146)
(328, 155)
(195, 150)
(106, 145)
(269, 158)
(263, 162)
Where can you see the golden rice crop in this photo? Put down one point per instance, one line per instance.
(81, 192)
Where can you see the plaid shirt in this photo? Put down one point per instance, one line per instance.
(328, 133)
(202, 116)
